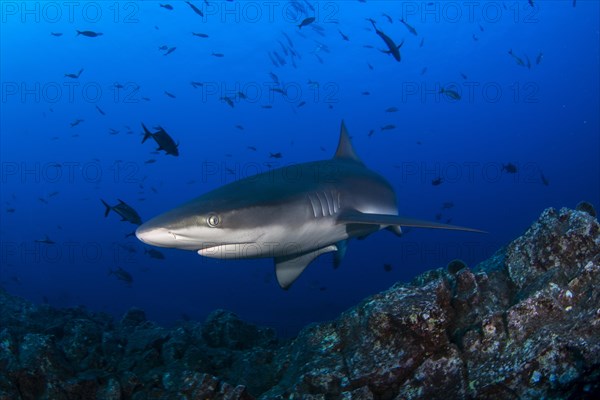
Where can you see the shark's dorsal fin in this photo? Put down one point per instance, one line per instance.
(344, 149)
(289, 268)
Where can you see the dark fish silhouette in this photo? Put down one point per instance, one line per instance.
(171, 95)
(510, 168)
(388, 127)
(167, 6)
(539, 58)
(391, 109)
(275, 155)
(409, 27)
(45, 240)
(56, 34)
(169, 51)
(437, 181)
(518, 59)
(128, 248)
(163, 139)
(228, 101)
(543, 179)
(125, 211)
(202, 35)
(219, 55)
(100, 110)
(89, 33)
(346, 38)
(121, 275)
(153, 253)
(76, 122)
(392, 48)
(452, 94)
(306, 22)
(74, 76)
(196, 9)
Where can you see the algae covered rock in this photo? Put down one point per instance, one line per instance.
(523, 324)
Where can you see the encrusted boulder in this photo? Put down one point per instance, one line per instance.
(523, 324)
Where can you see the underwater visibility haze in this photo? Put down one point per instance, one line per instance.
(477, 114)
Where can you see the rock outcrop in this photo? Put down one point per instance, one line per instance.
(523, 324)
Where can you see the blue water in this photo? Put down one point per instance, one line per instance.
(543, 119)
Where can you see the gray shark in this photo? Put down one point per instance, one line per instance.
(293, 214)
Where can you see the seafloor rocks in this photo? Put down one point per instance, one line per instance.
(523, 324)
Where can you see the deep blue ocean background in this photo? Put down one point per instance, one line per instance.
(543, 119)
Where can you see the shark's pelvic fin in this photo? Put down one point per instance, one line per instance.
(289, 268)
(344, 149)
(356, 217)
(342, 246)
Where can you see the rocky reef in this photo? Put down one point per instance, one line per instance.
(523, 324)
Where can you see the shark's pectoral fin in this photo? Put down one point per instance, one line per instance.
(289, 268)
(356, 217)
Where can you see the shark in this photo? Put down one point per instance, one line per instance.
(292, 214)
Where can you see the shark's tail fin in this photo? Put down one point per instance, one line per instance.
(108, 208)
(147, 133)
(78, 33)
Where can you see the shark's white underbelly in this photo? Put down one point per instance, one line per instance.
(280, 241)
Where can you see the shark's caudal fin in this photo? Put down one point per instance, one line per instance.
(344, 149)
(356, 217)
(289, 268)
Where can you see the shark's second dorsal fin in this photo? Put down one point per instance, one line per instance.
(344, 149)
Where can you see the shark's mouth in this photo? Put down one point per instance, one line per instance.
(234, 250)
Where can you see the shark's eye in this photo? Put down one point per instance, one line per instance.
(213, 220)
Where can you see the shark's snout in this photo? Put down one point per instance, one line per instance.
(155, 236)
